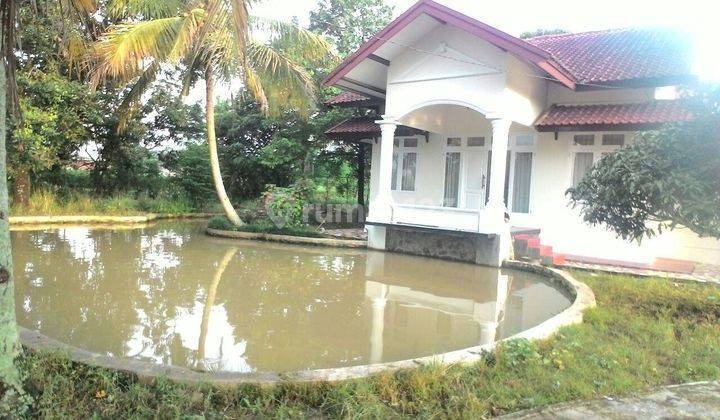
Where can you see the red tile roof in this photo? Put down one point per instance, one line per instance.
(365, 128)
(361, 125)
(640, 115)
(346, 98)
(620, 55)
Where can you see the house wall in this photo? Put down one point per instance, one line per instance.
(449, 66)
(561, 226)
(438, 86)
(559, 94)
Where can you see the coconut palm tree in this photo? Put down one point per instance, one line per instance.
(216, 40)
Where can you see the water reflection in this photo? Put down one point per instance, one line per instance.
(171, 295)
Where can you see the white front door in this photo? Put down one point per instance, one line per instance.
(475, 179)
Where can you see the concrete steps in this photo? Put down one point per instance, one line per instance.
(528, 247)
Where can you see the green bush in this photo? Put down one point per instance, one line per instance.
(221, 223)
(284, 205)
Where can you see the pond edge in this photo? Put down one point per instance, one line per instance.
(583, 299)
(99, 219)
(288, 239)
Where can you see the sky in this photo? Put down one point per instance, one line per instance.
(697, 17)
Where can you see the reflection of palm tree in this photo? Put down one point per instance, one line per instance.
(210, 301)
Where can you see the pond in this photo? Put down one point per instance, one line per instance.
(171, 295)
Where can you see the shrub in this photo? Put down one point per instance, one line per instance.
(284, 205)
(221, 223)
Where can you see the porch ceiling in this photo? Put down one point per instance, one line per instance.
(451, 120)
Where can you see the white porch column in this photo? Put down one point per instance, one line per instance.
(381, 208)
(496, 198)
(378, 326)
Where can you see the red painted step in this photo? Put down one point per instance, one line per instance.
(546, 251)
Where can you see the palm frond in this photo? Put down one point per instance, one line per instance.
(125, 49)
(240, 23)
(84, 7)
(286, 84)
(255, 86)
(130, 101)
(294, 40)
(146, 9)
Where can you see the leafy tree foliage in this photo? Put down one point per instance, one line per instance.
(190, 173)
(667, 178)
(349, 23)
(58, 115)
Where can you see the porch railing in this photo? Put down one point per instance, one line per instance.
(436, 217)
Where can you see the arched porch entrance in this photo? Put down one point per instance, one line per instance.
(452, 180)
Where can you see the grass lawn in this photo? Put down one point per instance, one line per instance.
(47, 203)
(643, 333)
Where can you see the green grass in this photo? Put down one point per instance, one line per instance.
(47, 203)
(222, 223)
(643, 333)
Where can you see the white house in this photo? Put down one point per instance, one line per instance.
(477, 125)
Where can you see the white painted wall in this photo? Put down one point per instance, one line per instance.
(449, 96)
(450, 67)
(561, 226)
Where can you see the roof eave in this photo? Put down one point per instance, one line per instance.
(650, 82)
(598, 127)
(498, 38)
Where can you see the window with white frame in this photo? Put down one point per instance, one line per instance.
(404, 164)
(588, 148)
(522, 172)
(518, 172)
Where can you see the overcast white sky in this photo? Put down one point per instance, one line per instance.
(698, 17)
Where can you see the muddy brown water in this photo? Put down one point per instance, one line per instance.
(169, 294)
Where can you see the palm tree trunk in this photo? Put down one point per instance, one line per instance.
(212, 145)
(12, 396)
(210, 302)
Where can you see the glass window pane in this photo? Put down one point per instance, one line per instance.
(584, 139)
(454, 141)
(521, 183)
(410, 142)
(613, 139)
(476, 141)
(396, 142)
(507, 176)
(409, 166)
(396, 161)
(583, 163)
(525, 140)
(452, 179)
(506, 191)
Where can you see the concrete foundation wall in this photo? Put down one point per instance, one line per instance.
(458, 246)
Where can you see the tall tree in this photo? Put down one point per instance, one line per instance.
(51, 44)
(216, 40)
(666, 178)
(349, 23)
(12, 396)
